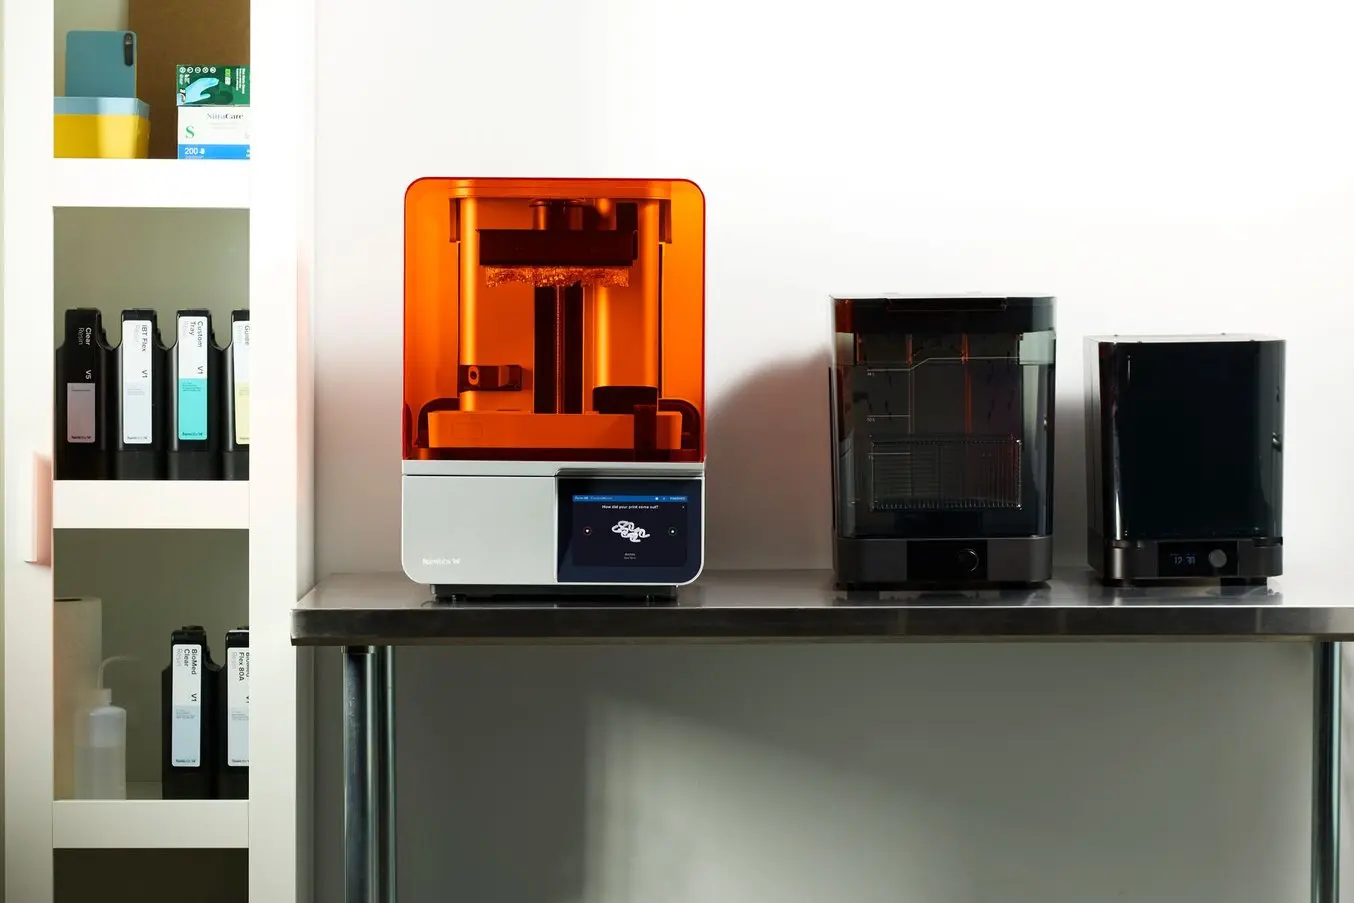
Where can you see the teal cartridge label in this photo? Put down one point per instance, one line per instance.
(192, 377)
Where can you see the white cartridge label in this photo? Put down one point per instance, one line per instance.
(81, 410)
(239, 350)
(137, 383)
(185, 746)
(192, 378)
(237, 706)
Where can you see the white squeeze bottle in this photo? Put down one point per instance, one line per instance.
(101, 745)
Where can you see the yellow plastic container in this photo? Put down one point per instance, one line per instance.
(109, 127)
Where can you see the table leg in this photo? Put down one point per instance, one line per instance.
(358, 851)
(383, 762)
(369, 784)
(1326, 730)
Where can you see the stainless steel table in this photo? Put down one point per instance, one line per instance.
(367, 614)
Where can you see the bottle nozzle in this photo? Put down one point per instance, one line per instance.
(102, 695)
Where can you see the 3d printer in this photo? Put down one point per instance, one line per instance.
(554, 358)
(942, 423)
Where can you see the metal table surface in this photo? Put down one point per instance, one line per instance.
(801, 606)
(367, 614)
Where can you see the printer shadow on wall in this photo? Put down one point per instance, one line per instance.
(1069, 481)
(768, 471)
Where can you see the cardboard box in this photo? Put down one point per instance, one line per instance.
(172, 31)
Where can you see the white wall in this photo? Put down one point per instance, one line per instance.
(1162, 166)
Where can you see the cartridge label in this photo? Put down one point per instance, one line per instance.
(192, 378)
(239, 352)
(237, 706)
(81, 409)
(137, 383)
(185, 733)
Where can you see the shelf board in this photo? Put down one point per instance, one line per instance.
(150, 505)
(210, 184)
(150, 823)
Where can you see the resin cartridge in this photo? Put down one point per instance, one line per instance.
(194, 444)
(81, 436)
(188, 718)
(139, 445)
(233, 731)
(235, 400)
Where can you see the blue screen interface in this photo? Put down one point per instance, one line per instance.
(630, 530)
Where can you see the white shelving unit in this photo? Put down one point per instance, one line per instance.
(275, 507)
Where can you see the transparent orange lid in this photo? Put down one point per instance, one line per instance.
(554, 320)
